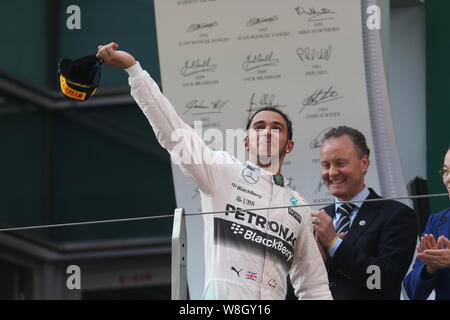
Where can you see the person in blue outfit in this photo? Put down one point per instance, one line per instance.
(431, 270)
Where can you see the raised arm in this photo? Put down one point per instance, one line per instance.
(186, 148)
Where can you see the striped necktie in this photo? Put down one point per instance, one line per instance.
(343, 223)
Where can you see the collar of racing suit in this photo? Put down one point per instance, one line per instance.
(278, 180)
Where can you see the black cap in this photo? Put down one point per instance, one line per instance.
(79, 78)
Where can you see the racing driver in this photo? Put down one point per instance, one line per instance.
(248, 254)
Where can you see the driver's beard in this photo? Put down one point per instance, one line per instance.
(273, 161)
(270, 162)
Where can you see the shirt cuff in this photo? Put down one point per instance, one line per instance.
(135, 70)
(334, 247)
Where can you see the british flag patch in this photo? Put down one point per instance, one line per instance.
(251, 275)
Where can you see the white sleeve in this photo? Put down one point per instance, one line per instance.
(308, 273)
(185, 146)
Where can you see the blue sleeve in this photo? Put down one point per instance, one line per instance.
(416, 287)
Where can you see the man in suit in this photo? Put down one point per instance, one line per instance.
(362, 240)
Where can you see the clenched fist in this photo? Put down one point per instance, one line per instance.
(119, 59)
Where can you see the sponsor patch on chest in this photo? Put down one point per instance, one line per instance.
(295, 214)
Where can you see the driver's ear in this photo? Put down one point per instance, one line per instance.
(289, 146)
(246, 143)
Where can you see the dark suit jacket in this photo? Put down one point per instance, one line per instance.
(386, 238)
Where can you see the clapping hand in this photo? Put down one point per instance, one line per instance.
(435, 254)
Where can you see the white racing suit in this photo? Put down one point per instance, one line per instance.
(248, 254)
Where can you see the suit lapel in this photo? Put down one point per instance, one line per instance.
(364, 218)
